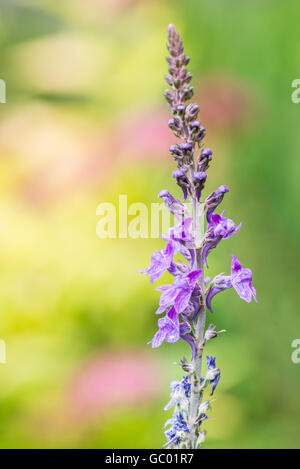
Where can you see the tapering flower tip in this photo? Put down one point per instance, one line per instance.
(175, 46)
(182, 181)
(171, 31)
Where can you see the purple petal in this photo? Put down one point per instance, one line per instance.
(235, 265)
(158, 338)
(194, 276)
(182, 300)
(214, 383)
(211, 362)
(189, 339)
(212, 292)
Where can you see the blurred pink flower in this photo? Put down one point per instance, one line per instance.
(144, 136)
(111, 380)
(140, 137)
(226, 103)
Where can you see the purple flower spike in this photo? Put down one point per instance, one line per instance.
(242, 281)
(160, 262)
(184, 303)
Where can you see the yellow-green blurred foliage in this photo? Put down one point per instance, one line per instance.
(84, 122)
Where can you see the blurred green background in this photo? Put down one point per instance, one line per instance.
(85, 121)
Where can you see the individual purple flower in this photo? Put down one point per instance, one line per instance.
(213, 374)
(179, 293)
(220, 283)
(168, 329)
(176, 207)
(240, 279)
(181, 236)
(219, 228)
(213, 200)
(160, 262)
(181, 233)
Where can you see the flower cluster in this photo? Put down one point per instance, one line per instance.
(183, 302)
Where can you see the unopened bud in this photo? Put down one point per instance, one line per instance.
(201, 438)
(204, 406)
(212, 374)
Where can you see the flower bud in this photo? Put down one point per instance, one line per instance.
(203, 408)
(199, 181)
(176, 152)
(185, 147)
(212, 373)
(187, 92)
(169, 79)
(180, 109)
(201, 438)
(186, 366)
(175, 124)
(182, 181)
(192, 111)
(207, 153)
(170, 97)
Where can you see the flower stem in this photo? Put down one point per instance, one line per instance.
(196, 395)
